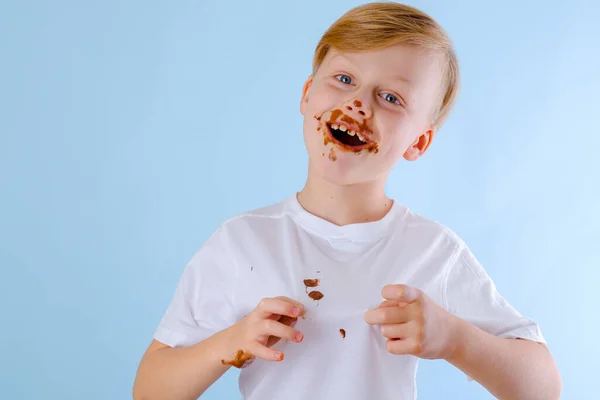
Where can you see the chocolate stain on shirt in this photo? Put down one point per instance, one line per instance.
(315, 295)
(311, 283)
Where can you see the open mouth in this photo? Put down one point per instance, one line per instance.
(349, 139)
(347, 136)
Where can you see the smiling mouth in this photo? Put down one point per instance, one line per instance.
(348, 137)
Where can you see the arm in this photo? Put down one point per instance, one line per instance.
(507, 368)
(187, 372)
(181, 373)
(195, 332)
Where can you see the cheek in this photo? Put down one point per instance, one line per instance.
(393, 149)
(323, 98)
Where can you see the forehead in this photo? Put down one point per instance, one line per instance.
(410, 63)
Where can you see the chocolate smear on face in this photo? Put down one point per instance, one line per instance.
(332, 156)
(371, 147)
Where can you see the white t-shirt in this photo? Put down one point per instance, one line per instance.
(271, 251)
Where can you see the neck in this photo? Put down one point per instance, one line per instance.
(345, 204)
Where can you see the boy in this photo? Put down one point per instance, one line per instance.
(345, 283)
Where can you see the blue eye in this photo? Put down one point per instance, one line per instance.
(390, 98)
(344, 79)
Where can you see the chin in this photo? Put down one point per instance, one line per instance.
(340, 152)
(342, 169)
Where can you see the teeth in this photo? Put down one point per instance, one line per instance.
(350, 132)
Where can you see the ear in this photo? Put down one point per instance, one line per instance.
(420, 145)
(305, 91)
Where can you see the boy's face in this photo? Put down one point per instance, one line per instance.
(364, 111)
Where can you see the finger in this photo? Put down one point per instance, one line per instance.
(261, 351)
(387, 315)
(294, 302)
(408, 346)
(391, 303)
(289, 321)
(270, 306)
(268, 327)
(399, 331)
(403, 293)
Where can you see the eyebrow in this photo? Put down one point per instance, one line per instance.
(402, 79)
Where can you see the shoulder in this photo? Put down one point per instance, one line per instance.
(461, 261)
(246, 227)
(272, 211)
(425, 230)
(253, 223)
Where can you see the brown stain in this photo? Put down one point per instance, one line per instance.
(317, 118)
(323, 154)
(315, 295)
(335, 114)
(357, 103)
(332, 156)
(362, 126)
(310, 283)
(343, 333)
(240, 361)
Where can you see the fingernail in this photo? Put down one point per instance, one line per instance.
(298, 337)
(278, 356)
(295, 311)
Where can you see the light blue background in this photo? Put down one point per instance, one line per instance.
(130, 129)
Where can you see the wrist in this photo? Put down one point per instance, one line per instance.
(217, 347)
(459, 332)
(231, 354)
(228, 344)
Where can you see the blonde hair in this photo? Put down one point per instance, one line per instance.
(378, 25)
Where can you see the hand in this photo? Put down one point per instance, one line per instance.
(272, 320)
(413, 323)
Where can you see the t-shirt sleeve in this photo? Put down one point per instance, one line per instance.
(472, 296)
(203, 303)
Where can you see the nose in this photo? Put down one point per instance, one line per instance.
(358, 109)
